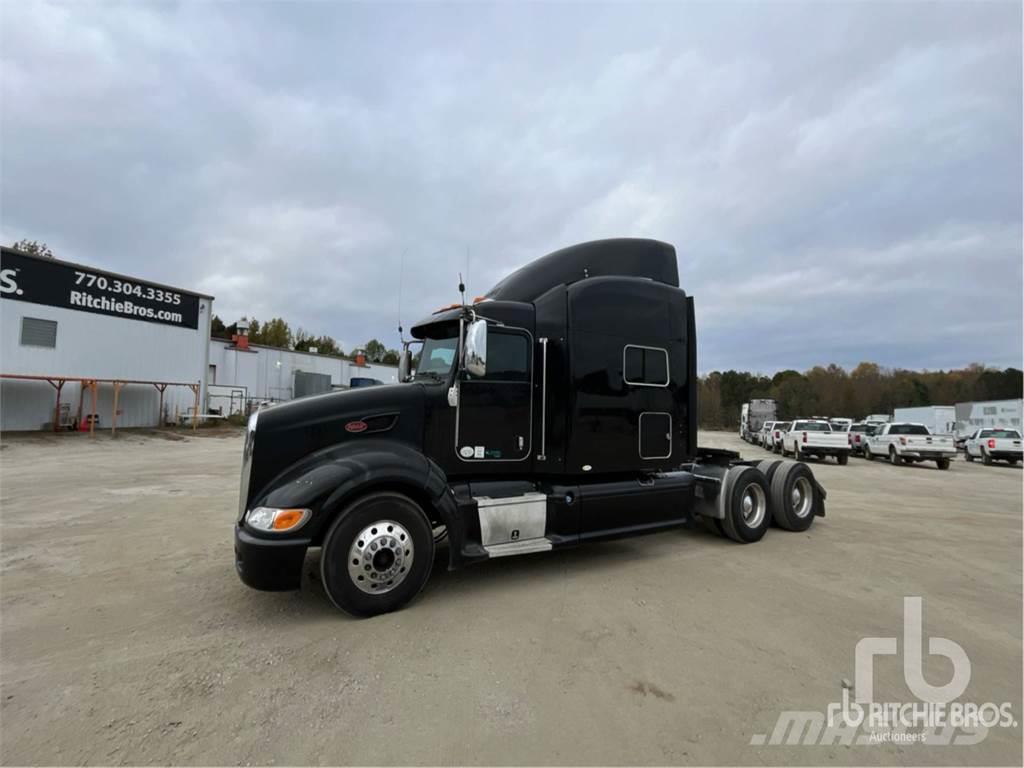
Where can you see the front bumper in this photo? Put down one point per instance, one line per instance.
(269, 564)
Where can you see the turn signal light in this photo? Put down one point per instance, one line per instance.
(273, 520)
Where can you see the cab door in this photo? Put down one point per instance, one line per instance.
(493, 420)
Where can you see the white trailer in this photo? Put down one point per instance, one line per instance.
(991, 414)
(940, 419)
(753, 415)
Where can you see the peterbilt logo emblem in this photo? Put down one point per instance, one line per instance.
(355, 426)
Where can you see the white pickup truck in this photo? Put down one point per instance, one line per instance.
(814, 437)
(994, 445)
(904, 442)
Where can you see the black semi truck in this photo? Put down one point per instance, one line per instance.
(558, 409)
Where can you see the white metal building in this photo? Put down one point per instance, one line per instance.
(261, 373)
(992, 413)
(60, 320)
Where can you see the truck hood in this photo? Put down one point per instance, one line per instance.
(290, 432)
(338, 408)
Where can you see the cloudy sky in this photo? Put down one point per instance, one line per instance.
(842, 181)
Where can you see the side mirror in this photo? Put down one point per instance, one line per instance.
(403, 364)
(476, 348)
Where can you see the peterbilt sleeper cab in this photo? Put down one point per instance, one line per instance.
(559, 409)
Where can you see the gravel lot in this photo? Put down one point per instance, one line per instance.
(127, 638)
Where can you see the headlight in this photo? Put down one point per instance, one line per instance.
(274, 520)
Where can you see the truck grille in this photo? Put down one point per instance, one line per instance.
(243, 490)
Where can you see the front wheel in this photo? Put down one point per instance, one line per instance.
(377, 555)
(967, 455)
(868, 454)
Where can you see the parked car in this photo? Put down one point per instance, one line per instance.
(780, 429)
(840, 424)
(857, 437)
(763, 436)
(994, 445)
(814, 437)
(905, 442)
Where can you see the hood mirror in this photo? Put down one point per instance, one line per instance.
(476, 348)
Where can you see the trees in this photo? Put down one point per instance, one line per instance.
(375, 351)
(274, 333)
(34, 247)
(832, 391)
(324, 345)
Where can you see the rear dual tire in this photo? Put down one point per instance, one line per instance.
(747, 516)
(794, 497)
(783, 491)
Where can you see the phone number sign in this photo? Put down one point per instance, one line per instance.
(56, 284)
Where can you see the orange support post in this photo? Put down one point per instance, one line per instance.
(81, 400)
(195, 406)
(56, 408)
(160, 413)
(113, 420)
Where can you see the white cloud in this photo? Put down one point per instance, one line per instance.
(811, 163)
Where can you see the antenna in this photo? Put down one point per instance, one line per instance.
(462, 290)
(401, 276)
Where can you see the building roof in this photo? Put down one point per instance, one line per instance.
(106, 272)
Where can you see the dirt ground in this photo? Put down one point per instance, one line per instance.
(127, 637)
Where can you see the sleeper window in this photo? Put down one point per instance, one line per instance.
(645, 366)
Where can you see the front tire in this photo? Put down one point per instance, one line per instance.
(377, 555)
(868, 454)
(967, 456)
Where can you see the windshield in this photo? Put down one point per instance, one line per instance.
(1010, 433)
(812, 426)
(436, 358)
(908, 429)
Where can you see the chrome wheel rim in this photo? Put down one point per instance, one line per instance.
(753, 505)
(380, 557)
(801, 497)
